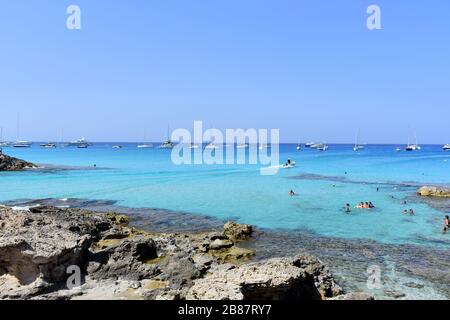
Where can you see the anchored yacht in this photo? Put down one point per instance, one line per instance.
(446, 147)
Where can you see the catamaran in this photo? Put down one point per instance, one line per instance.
(446, 147)
(413, 147)
(357, 146)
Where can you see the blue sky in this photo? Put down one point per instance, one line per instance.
(308, 67)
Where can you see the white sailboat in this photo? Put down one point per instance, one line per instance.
(19, 143)
(446, 147)
(299, 147)
(2, 143)
(357, 146)
(145, 145)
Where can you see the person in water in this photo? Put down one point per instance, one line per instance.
(371, 206)
(411, 212)
(405, 211)
(288, 162)
(446, 224)
(347, 208)
(292, 193)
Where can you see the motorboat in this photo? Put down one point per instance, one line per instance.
(211, 146)
(446, 147)
(22, 144)
(167, 144)
(194, 146)
(48, 145)
(299, 147)
(117, 147)
(82, 145)
(322, 148)
(79, 142)
(309, 144)
(145, 145)
(288, 164)
(398, 149)
(242, 146)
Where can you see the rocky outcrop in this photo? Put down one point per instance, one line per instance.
(275, 279)
(432, 191)
(8, 163)
(236, 231)
(37, 247)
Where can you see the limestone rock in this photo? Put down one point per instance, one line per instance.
(432, 191)
(236, 231)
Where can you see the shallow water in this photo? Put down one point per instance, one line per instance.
(324, 181)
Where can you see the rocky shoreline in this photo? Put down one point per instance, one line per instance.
(8, 163)
(42, 248)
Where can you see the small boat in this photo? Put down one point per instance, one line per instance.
(22, 144)
(309, 144)
(117, 147)
(357, 146)
(167, 144)
(323, 148)
(2, 143)
(446, 147)
(398, 149)
(211, 146)
(48, 145)
(82, 145)
(299, 147)
(317, 145)
(80, 142)
(242, 146)
(289, 164)
(264, 146)
(194, 146)
(413, 147)
(145, 145)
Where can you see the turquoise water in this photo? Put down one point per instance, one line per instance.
(324, 182)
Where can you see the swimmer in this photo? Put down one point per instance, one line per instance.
(446, 224)
(411, 212)
(405, 211)
(371, 206)
(292, 193)
(347, 208)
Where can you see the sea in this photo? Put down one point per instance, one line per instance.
(409, 253)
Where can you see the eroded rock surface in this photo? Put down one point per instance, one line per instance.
(433, 191)
(118, 262)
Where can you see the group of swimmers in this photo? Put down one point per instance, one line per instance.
(361, 205)
(410, 211)
(365, 205)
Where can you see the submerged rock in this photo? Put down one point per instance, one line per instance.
(432, 191)
(8, 163)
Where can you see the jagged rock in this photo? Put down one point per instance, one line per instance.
(236, 231)
(274, 279)
(431, 191)
(8, 163)
(126, 261)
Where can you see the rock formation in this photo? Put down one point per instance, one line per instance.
(8, 163)
(432, 191)
(38, 246)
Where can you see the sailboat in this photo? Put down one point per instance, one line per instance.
(299, 146)
(167, 144)
(446, 147)
(18, 143)
(413, 147)
(358, 146)
(2, 143)
(145, 145)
